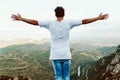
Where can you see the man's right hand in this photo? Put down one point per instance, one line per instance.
(19, 18)
(16, 17)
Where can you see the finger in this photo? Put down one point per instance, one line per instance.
(100, 14)
(18, 14)
(13, 16)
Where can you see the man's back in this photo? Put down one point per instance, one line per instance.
(59, 31)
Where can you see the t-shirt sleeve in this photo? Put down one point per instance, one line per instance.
(44, 24)
(74, 23)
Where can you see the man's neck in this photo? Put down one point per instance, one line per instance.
(59, 18)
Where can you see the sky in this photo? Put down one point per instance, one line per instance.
(106, 30)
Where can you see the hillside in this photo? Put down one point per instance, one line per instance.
(106, 68)
(26, 60)
(32, 60)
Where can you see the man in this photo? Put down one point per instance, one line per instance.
(59, 30)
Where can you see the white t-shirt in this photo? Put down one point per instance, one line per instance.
(59, 31)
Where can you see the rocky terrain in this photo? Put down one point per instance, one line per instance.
(30, 61)
(106, 68)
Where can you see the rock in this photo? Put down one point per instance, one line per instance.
(106, 68)
(113, 68)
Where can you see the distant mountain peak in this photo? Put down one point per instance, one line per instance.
(22, 41)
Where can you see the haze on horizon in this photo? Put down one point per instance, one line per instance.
(100, 31)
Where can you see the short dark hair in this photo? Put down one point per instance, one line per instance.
(59, 11)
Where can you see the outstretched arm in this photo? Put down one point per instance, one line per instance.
(18, 17)
(90, 20)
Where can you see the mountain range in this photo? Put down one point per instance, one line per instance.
(31, 60)
(106, 68)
